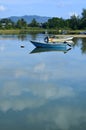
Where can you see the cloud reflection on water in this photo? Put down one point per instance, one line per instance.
(46, 86)
(47, 90)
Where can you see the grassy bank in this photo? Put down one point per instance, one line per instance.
(11, 31)
(35, 30)
(21, 31)
(28, 30)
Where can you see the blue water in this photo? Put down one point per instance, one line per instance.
(43, 90)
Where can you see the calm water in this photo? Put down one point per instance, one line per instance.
(44, 90)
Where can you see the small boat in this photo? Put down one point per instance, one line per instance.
(59, 39)
(42, 44)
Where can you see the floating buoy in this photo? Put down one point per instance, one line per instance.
(22, 46)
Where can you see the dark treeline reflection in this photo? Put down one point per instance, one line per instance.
(83, 47)
(23, 37)
(81, 43)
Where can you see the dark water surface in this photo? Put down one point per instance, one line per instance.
(44, 90)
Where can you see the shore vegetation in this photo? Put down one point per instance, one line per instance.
(73, 25)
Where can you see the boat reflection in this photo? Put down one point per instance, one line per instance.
(40, 50)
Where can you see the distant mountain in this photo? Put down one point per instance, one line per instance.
(29, 18)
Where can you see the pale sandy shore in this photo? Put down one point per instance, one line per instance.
(79, 35)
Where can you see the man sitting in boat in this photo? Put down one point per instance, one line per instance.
(46, 39)
(49, 39)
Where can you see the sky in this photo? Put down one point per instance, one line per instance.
(50, 8)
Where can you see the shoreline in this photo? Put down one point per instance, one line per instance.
(72, 35)
(37, 31)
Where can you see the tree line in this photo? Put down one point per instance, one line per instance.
(73, 23)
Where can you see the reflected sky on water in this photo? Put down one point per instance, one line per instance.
(44, 90)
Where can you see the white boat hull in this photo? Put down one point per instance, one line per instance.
(66, 39)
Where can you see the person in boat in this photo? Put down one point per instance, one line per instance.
(46, 39)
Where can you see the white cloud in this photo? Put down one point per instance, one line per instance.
(2, 8)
